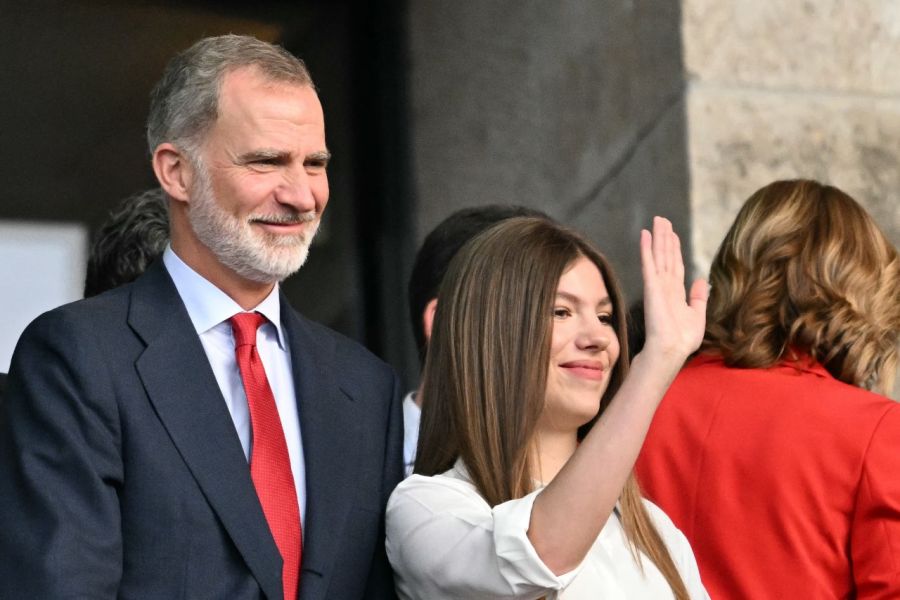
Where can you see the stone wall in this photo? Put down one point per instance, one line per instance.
(581, 109)
(785, 90)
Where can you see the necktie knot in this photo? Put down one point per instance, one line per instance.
(244, 326)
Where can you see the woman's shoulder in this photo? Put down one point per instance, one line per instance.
(798, 380)
(450, 488)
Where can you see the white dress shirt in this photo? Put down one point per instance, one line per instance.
(412, 414)
(444, 541)
(210, 310)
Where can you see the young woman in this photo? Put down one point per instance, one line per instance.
(768, 450)
(531, 424)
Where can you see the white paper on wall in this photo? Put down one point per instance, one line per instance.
(42, 266)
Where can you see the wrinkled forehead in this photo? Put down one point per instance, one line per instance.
(249, 84)
(252, 106)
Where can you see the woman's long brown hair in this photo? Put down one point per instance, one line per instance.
(485, 374)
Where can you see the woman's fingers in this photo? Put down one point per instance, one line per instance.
(678, 258)
(659, 244)
(666, 248)
(698, 296)
(672, 317)
(648, 268)
(669, 238)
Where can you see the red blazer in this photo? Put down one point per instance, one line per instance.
(785, 481)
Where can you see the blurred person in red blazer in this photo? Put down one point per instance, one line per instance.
(772, 451)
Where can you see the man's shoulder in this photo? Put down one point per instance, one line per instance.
(90, 312)
(85, 335)
(110, 304)
(343, 349)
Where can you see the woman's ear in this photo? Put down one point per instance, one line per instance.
(428, 318)
(173, 170)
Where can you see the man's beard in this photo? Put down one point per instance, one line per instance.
(252, 253)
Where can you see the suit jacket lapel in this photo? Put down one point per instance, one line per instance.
(327, 426)
(181, 385)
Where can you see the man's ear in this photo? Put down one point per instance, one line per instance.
(428, 318)
(173, 170)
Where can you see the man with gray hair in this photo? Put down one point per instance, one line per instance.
(189, 435)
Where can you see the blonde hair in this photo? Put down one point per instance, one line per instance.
(804, 269)
(485, 375)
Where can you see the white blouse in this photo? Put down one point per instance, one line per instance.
(444, 541)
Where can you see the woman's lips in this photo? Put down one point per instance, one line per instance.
(587, 369)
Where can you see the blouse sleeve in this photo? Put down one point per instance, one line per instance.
(875, 533)
(445, 541)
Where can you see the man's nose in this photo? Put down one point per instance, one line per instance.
(297, 190)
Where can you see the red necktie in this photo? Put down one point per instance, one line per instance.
(270, 465)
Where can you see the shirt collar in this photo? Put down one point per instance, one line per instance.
(460, 471)
(207, 305)
(800, 361)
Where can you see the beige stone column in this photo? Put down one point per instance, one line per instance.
(790, 89)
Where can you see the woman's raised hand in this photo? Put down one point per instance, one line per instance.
(674, 325)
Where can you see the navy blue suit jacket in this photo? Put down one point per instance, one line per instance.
(122, 476)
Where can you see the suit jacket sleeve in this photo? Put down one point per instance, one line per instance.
(875, 535)
(59, 468)
(380, 585)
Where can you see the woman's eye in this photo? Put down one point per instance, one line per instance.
(561, 313)
(605, 318)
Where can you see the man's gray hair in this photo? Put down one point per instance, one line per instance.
(185, 102)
